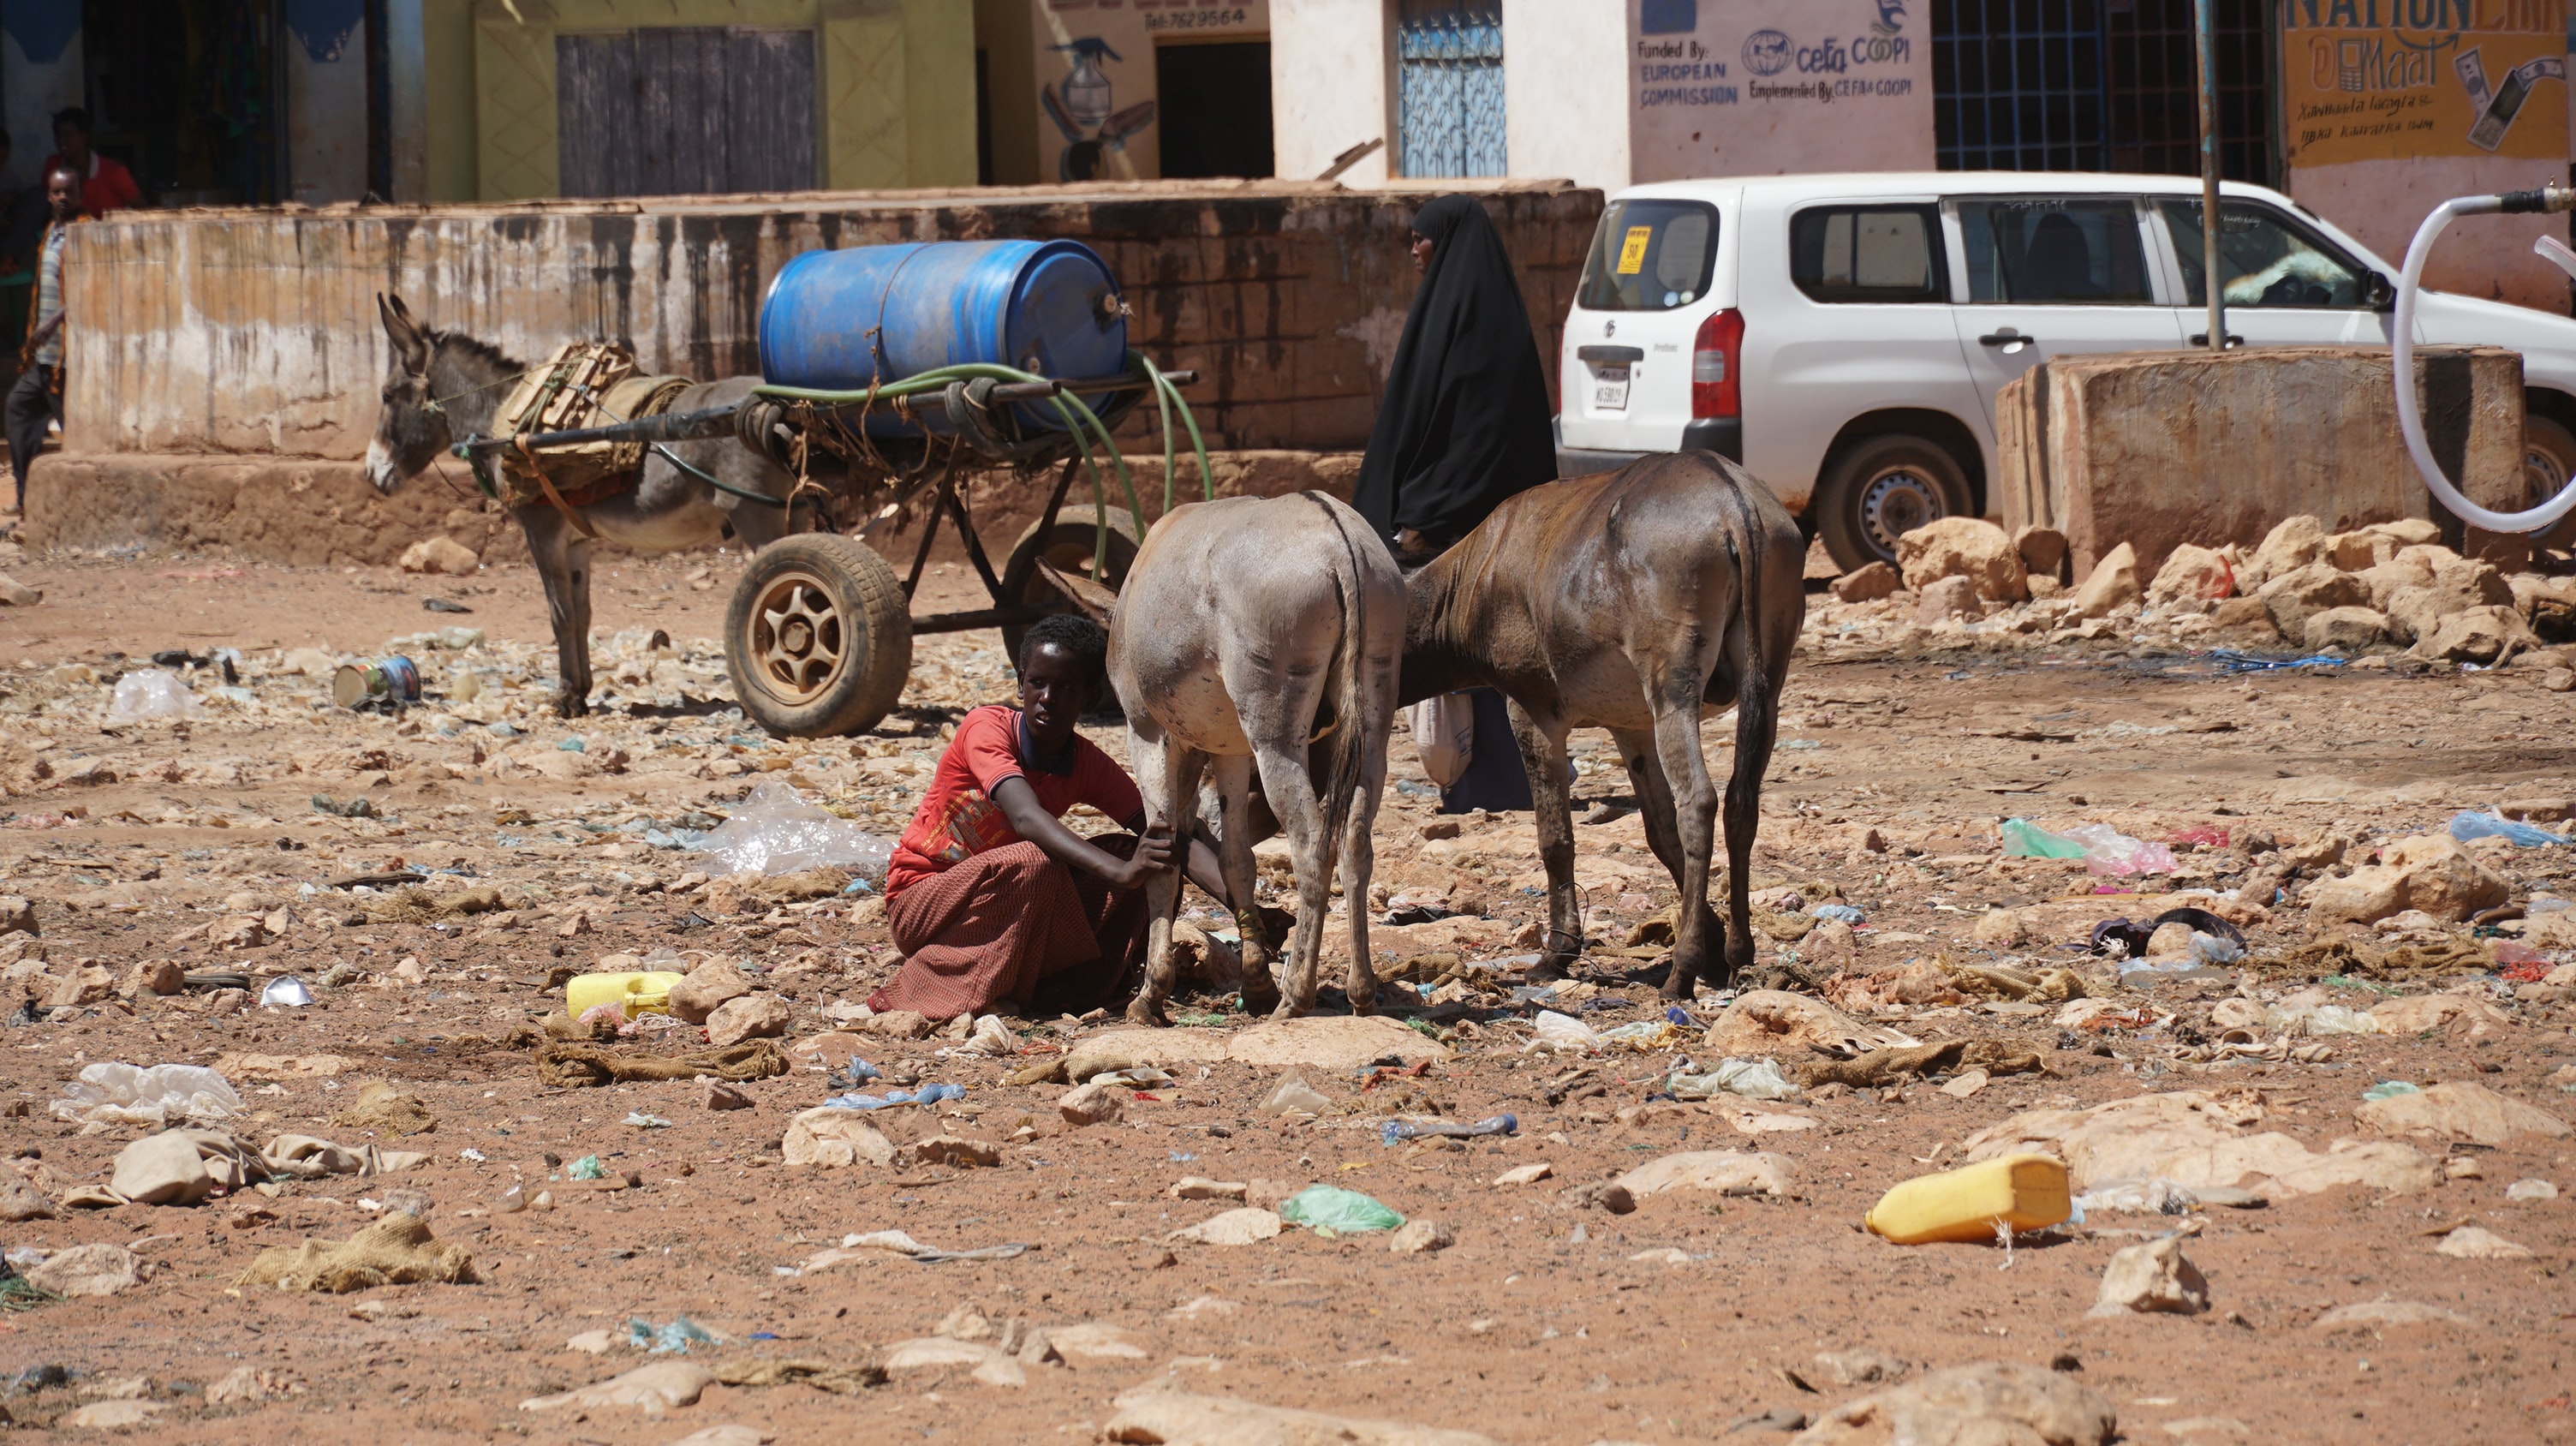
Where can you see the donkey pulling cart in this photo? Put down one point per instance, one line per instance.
(1008, 354)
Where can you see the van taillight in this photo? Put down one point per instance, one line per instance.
(1716, 372)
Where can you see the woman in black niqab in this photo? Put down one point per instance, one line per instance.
(1465, 420)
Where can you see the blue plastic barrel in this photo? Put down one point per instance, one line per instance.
(838, 320)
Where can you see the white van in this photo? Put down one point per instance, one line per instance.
(1844, 336)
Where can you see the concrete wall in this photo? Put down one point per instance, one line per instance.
(1332, 86)
(2160, 448)
(1565, 90)
(255, 332)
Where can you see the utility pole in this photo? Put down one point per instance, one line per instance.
(2207, 47)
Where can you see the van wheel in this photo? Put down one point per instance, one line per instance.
(1879, 489)
(2549, 460)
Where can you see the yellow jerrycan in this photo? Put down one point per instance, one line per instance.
(2025, 1192)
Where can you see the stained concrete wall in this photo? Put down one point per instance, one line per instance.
(2160, 448)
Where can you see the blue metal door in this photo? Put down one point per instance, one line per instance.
(1449, 97)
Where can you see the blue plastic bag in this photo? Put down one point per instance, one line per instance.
(1837, 913)
(2467, 825)
(926, 1095)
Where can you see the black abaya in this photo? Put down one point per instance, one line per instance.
(1465, 420)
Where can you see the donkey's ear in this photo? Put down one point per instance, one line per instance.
(1096, 602)
(409, 344)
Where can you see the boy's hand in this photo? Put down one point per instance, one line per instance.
(1153, 856)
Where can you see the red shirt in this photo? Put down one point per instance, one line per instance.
(108, 186)
(958, 818)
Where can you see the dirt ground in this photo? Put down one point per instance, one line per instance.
(1548, 1320)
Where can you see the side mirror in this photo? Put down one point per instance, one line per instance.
(2379, 291)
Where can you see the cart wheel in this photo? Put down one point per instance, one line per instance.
(817, 637)
(1067, 547)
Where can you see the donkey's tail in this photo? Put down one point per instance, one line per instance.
(1342, 775)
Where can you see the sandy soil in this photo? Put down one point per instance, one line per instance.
(1546, 1321)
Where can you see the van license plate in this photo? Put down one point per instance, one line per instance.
(1610, 389)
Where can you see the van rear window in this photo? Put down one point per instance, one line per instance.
(1868, 254)
(1650, 255)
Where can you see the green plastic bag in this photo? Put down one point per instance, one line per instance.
(1343, 1212)
(2026, 840)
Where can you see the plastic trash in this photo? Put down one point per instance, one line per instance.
(286, 992)
(1343, 1212)
(1976, 1202)
(2390, 1089)
(510, 1201)
(2158, 1196)
(586, 1168)
(1562, 1032)
(2314, 1019)
(929, 1094)
(776, 831)
(674, 1338)
(1646, 1036)
(2026, 840)
(2109, 851)
(2205, 835)
(2216, 949)
(161, 1096)
(1755, 1079)
(643, 1121)
(1838, 913)
(634, 992)
(1293, 1096)
(2466, 825)
(1394, 1130)
(859, 1073)
(149, 693)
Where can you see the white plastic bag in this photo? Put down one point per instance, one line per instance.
(163, 1095)
(1755, 1079)
(1563, 1032)
(1444, 733)
(776, 831)
(148, 693)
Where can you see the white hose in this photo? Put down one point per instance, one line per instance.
(2410, 416)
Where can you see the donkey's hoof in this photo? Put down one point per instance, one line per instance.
(568, 706)
(1363, 1008)
(1146, 1016)
(1262, 1003)
(1679, 987)
(1288, 1010)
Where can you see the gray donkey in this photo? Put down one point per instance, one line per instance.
(442, 387)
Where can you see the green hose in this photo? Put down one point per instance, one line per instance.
(1076, 414)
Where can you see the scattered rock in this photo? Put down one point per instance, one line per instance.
(1867, 584)
(1090, 1104)
(2472, 1242)
(653, 1389)
(1094, 1340)
(2042, 550)
(2430, 872)
(2153, 1277)
(1246, 1226)
(1417, 1236)
(2525, 1190)
(2476, 635)
(2424, 1013)
(1858, 1368)
(1997, 1403)
(97, 1269)
(830, 1138)
(753, 1016)
(2198, 1138)
(22, 1201)
(930, 1354)
(1199, 1187)
(715, 1094)
(1948, 599)
(708, 988)
(2112, 584)
(1778, 1023)
(1525, 1174)
(440, 555)
(2293, 543)
(1159, 1413)
(16, 594)
(113, 1415)
(1728, 1172)
(2299, 594)
(1963, 547)
(17, 915)
(2460, 1111)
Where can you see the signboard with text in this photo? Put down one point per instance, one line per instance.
(1765, 87)
(2374, 80)
(1099, 117)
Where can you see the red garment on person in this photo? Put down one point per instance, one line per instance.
(958, 819)
(1013, 925)
(107, 187)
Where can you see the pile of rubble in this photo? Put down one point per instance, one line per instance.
(2387, 589)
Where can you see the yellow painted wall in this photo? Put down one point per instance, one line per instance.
(447, 42)
(1011, 88)
(896, 80)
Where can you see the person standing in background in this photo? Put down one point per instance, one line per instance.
(106, 185)
(1464, 425)
(36, 399)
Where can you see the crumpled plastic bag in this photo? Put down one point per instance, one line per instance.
(1344, 1212)
(2316, 1019)
(160, 1096)
(1646, 1036)
(1563, 1032)
(776, 831)
(1755, 1079)
(149, 693)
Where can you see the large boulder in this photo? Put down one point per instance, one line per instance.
(1966, 547)
(1878, 580)
(708, 988)
(2388, 578)
(2358, 551)
(2348, 628)
(2192, 575)
(2476, 635)
(2293, 597)
(2430, 872)
(1948, 599)
(2289, 546)
(2042, 550)
(2112, 584)
(440, 555)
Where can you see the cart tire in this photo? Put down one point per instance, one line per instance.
(1067, 546)
(817, 637)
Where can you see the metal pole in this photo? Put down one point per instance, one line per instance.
(2207, 49)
